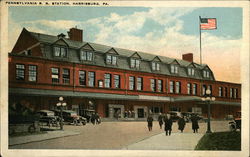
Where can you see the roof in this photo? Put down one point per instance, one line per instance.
(104, 48)
(123, 57)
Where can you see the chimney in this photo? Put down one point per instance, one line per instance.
(187, 57)
(75, 34)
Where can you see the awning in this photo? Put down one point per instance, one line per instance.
(57, 93)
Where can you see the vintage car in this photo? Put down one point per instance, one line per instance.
(71, 117)
(48, 118)
(175, 115)
(86, 113)
(236, 123)
(188, 115)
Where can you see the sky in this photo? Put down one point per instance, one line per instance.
(161, 31)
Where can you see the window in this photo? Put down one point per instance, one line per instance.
(60, 51)
(189, 89)
(191, 71)
(20, 69)
(66, 76)
(55, 75)
(204, 88)
(82, 77)
(32, 73)
(107, 80)
(194, 89)
(206, 74)
(231, 92)
(220, 92)
(153, 85)
(91, 79)
(111, 59)
(131, 82)
(178, 87)
(134, 63)
(174, 69)
(86, 55)
(155, 66)
(156, 109)
(235, 93)
(139, 83)
(225, 91)
(159, 86)
(117, 81)
(171, 86)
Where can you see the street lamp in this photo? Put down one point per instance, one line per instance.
(208, 98)
(61, 104)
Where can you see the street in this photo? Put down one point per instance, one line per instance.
(115, 135)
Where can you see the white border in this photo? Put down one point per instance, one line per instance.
(244, 76)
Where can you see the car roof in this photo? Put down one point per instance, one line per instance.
(45, 111)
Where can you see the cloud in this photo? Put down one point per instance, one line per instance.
(127, 31)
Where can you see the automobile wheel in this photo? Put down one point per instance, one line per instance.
(232, 127)
(83, 123)
(31, 129)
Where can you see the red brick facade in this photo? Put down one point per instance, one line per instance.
(226, 103)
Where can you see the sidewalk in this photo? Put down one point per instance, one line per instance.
(177, 141)
(40, 137)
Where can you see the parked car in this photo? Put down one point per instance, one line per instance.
(71, 117)
(48, 118)
(175, 115)
(187, 116)
(236, 123)
(86, 113)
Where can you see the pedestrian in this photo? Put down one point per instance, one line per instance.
(168, 124)
(160, 120)
(98, 119)
(195, 125)
(150, 122)
(92, 118)
(181, 123)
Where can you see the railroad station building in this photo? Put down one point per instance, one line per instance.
(107, 79)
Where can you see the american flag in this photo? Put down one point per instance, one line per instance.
(207, 23)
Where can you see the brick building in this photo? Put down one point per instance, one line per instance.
(110, 80)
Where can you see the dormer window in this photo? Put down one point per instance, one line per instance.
(206, 74)
(135, 63)
(60, 51)
(86, 55)
(111, 59)
(174, 69)
(155, 66)
(191, 71)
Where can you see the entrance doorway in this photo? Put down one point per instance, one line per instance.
(117, 113)
(140, 112)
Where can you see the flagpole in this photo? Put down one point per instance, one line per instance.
(200, 39)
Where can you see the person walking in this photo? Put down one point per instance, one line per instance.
(150, 122)
(160, 120)
(168, 124)
(93, 119)
(195, 125)
(181, 123)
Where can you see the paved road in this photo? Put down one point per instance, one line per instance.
(113, 135)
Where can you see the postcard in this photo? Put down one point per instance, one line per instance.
(124, 78)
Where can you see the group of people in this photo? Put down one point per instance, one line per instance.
(168, 122)
(95, 118)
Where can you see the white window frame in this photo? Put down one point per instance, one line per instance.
(174, 69)
(135, 63)
(171, 87)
